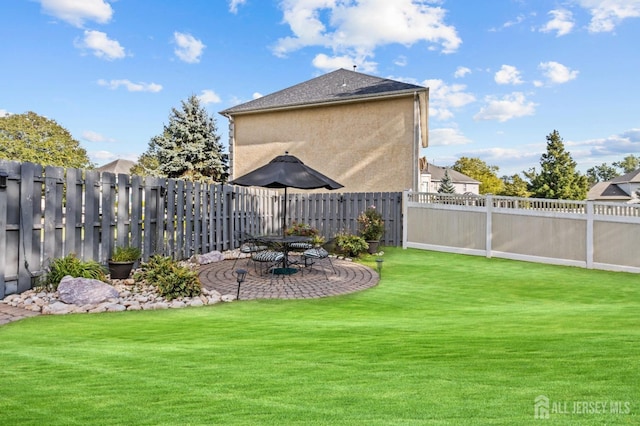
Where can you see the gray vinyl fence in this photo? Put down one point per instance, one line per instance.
(588, 234)
(50, 212)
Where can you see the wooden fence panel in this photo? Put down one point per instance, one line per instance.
(73, 211)
(91, 224)
(49, 213)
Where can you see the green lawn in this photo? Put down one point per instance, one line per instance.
(443, 339)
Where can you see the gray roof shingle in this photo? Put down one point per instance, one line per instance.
(336, 86)
(437, 174)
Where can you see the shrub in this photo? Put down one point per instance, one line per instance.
(371, 224)
(302, 229)
(71, 265)
(172, 280)
(351, 245)
(125, 254)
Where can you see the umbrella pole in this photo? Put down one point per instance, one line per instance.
(284, 216)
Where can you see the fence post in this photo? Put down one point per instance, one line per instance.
(589, 236)
(405, 209)
(489, 213)
(3, 229)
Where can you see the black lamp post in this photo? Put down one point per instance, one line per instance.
(240, 276)
(379, 265)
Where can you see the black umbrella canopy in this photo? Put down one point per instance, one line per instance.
(286, 171)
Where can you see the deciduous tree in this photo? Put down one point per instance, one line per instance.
(36, 139)
(514, 186)
(628, 164)
(601, 173)
(477, 169)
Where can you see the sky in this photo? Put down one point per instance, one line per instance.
(502, 74)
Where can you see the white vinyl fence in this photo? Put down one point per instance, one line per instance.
(588, 234)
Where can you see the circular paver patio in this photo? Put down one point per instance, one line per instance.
(306, 284)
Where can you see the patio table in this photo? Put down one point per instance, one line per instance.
(283, 244)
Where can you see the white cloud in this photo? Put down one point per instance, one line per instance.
(4, 113)
(561, 22)
(461, 72)
(189, 48)
(510, 106)
(358, 28)
(101, 45)
(508, 74)
(131, 87)
(328, 63)
(557, 73)
(447, 136)
(76, 12)
(209, 97)
(516, 159)
(233, 5)
(257, 95)
(92, 136)
(401, 61)
(518, 20)
(619, 145)
(607, 14)
(444, 97)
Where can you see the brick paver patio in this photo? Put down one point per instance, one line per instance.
(306, 284)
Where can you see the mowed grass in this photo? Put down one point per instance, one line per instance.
(443, 339)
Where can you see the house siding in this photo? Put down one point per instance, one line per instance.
(366, 146)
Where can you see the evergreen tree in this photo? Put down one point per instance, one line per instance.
(36, 139)
(477, 169)
(446, 186)
(189, 146)
(558, 178)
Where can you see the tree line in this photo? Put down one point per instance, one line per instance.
(557, 177)
(188, 148)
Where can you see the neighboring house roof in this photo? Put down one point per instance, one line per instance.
(117, 166)
(437, 174)
(612, 190)
(607, 191)
(632, 177)
(337, 86)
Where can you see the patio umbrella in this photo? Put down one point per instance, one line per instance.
(286, 171)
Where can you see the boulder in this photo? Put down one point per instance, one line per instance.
(84, 291)
(213, 256)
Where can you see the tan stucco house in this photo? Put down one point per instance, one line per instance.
(362, 131)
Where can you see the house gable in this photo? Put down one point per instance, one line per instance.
(363, 131)
(431, 177)
(622, 188)
(337, 86)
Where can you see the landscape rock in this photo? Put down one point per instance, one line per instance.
(83, 291)
(214, 256)
(75, 296)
